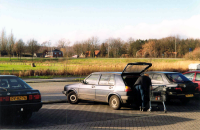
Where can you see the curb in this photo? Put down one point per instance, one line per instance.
(51, 81)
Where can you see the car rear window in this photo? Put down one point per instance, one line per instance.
(135, 68)
(13, 83)
(177, 77)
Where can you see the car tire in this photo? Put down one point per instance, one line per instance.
(114, 102)
(72, 98)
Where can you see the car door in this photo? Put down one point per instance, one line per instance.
(105, 86)
(197, 80)
(87, 89)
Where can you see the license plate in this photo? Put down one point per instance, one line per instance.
(189, 95)
(18, 98)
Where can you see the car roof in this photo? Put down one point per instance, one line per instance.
(193, 71)
(161, 72)
(107, 72)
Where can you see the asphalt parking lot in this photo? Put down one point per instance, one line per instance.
(94, 115)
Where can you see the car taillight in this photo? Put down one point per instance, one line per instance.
(34, 97)
(37, 96)
(3, 99)
(30, 97)
(178, 88)
(128, 89)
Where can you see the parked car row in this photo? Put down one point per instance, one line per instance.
(115, 88)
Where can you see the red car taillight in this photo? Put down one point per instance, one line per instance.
(128, 89)
(178, 88)
(5, 99)
(35, 97)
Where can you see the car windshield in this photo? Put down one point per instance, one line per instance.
(13, 83)
(177, 77)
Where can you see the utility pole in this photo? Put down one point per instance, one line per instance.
(108, 48)
(175, 47)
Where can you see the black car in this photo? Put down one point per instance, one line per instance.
(174, 84)
(17, 97)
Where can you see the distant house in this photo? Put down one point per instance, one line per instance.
(54, 53)
(38, 55)
(75, 56)
(87, 54)
(82, 55)
(96, 53)
(125, 55)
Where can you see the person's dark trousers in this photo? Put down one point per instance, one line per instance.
(141, 95)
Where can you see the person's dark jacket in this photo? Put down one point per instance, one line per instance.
(145, 83)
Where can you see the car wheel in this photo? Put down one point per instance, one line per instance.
(185, 100)
(72, 98)
(114, 102)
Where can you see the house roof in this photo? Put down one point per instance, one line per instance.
(97, 52)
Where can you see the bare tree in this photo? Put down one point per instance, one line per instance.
(63, 43)
(33, 47)
(3, 42)
(94, 44)
(77, 48)
(10, 44)
(19, 47)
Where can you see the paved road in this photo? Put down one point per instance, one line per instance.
(51, 91)
(92, 115)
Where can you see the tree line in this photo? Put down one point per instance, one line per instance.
(171, 46)
(168, 47)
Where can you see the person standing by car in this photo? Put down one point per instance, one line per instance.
(143, 85)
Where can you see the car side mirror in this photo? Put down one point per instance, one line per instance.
(83, 82)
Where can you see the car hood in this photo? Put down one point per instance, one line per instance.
(137, 68)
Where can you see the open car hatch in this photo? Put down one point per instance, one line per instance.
(138, 67)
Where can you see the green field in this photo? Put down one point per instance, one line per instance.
(83, 66)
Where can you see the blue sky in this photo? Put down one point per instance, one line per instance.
(79, 20)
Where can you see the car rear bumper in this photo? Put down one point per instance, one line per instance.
(127, 99)
(34, 107)
(174, 95)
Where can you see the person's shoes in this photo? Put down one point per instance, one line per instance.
(142, 109)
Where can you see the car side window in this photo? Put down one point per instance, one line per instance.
(150, 76)
(197, 77)
(157, 79)
(93, 79)
(106, 80)
(190, 76)
(112, 80)
(4, 83)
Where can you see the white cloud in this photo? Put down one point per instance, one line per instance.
(187, 28)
